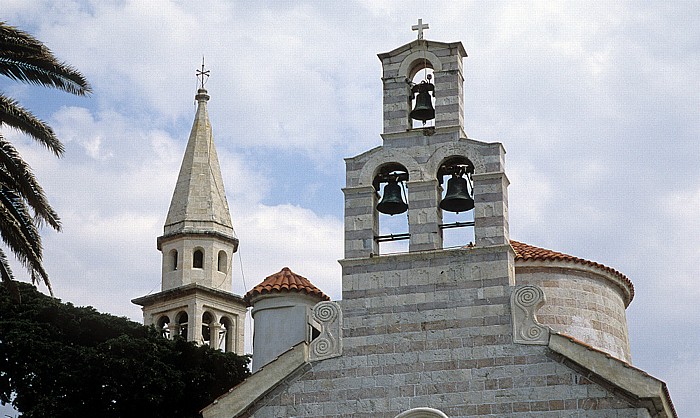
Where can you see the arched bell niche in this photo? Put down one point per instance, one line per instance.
(456, 206)
(421, 95)
(391, 212)
(182, 322)
(163, 326)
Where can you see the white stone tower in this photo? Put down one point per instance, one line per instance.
(197, 246)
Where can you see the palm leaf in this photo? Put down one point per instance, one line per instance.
(8, 278)
(15, 116)
(25, 59)
(16, 174)
(19, 233)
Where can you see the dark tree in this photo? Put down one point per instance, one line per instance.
(23, 205)
(58, 360)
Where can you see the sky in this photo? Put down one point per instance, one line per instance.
(596, 103)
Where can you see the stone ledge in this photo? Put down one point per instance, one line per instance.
(186, 290)
(636, 386)
(245, 394)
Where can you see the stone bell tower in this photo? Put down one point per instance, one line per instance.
(488, 327)
(423, 155)
(197, 246)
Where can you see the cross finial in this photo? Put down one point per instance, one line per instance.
(419, 27)
(202, 74)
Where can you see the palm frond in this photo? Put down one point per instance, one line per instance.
(8, 278)
(16, 174)
(19, 233)
(15, 116)
(25, 59)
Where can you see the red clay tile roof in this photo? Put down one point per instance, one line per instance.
(285, 281)
(527, 252)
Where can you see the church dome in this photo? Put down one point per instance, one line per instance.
(584, 299)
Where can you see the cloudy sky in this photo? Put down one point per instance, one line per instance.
(597, 105)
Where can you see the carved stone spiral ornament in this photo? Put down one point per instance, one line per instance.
(322, 346)
(326, 311)
(326, 317)
(525, 301)
(528, 296)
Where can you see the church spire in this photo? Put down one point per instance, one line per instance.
(197, 247)
(199, 200)
(198, 241)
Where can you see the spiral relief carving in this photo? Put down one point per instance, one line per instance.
(527, 296)
(524, 303)
(326, 311)
(322, 346)
(327, 316)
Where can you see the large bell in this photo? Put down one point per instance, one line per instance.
(457, 198)
(423, 110)
(392, 203)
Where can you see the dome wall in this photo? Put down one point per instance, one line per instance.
(582, 301)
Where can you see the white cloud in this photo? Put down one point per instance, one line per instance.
(595, 103)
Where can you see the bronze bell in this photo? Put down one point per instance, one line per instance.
(392, 203)
(457, 198)
(423, 110)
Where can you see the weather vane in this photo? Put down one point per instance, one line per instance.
(419, 27)
(202, 74)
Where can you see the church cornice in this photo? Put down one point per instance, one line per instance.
(187, 290)
(197, 234)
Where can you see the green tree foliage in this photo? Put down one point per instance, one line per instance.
(58, 360)
(23, 204)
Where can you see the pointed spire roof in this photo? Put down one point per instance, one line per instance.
(199, 201)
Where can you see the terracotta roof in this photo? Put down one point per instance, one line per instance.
(285, 281)
(527, 252)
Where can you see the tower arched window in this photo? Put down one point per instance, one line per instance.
(198, 259)
(163, 326)
(207, 320)
(173, 260)
(182, 320)
(226, 334)
(222, 261)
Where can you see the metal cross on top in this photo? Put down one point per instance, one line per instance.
(419, 27)
(201, 74)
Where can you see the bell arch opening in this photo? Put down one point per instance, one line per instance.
(455, 209)
(421, 97)
(207, 320)
(172, 260)
(181, 320)
(163, 326)
(226, 333)
(392, 209)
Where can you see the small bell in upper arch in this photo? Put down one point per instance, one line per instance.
(423, 110)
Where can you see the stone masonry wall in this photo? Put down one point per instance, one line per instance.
(432, 329)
